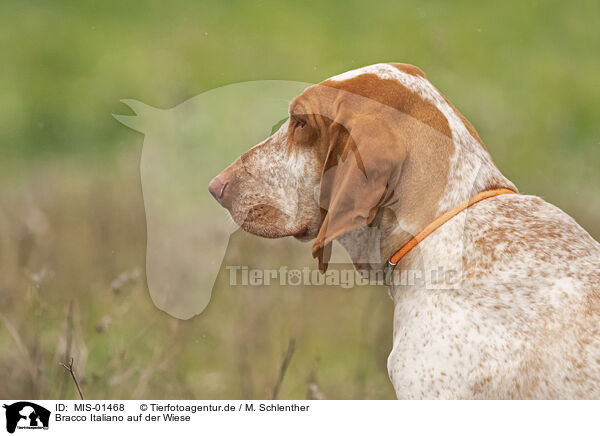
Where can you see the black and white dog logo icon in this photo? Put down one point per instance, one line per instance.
(26, 415)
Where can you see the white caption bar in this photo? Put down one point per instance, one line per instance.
(299, 417)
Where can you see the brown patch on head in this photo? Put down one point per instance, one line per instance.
(409, 69)
(391, 93)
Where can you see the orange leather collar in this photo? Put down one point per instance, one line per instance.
(441, 220)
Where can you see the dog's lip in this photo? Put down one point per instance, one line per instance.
(302, 233)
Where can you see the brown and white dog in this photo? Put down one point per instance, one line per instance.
(379, 151)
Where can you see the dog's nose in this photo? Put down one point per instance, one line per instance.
(217, 187)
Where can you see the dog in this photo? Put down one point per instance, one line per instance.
(379, 160)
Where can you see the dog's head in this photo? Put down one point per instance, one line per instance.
(344, 161)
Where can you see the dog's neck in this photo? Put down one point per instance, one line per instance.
(422, 197)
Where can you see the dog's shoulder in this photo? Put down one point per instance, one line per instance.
(529, 235)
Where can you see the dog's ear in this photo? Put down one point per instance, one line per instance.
(364, 159)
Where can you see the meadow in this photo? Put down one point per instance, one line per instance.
(72, 218)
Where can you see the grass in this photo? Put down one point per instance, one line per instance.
(123, 347)
(72, 222)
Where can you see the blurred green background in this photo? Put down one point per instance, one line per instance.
(72, 224)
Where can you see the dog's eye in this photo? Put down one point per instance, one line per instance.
(300, 131)
(299, 123)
